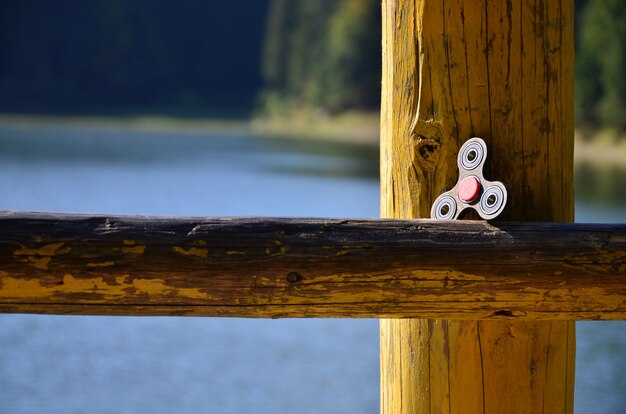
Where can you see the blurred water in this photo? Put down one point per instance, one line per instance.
(601, 346)
(70, 364)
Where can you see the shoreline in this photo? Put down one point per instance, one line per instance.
(358, 129)
(135, 123)
(602, 147)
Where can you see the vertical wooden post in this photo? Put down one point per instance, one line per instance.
(501, 70)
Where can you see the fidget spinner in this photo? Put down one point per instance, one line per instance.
(472, 190)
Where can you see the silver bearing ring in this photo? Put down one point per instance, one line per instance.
(492, 200)
(444, 208)
(471, 155)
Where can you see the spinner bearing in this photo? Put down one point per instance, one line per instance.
(472, 190)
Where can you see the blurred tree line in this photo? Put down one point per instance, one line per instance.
(601, 63)
(278, 56)
(323, 54)
(117, 56)
(326, 54)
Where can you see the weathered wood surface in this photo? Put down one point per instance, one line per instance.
(502, 71)
(270, 267)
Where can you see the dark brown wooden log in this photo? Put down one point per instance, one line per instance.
(274, 267)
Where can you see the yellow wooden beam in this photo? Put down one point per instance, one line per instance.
(269, 267)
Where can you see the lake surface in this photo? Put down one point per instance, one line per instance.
(74, 364)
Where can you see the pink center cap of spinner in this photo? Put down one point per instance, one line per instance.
(468, 189)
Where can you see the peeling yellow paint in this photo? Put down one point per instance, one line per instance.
(40, 257)
(13, 288)
(158, 287)
(192, 251)
(39, 262)
(46, 250)
(282, 250)
(277, 242)
(441, 275)
(553, 293)
(201, 242)
(100, 264)
(134, 249)
(613, 301)
(20, 288)
(76, 285)
(142, 287)
(235, 252)
(129, 242)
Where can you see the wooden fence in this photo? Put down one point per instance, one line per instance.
(276, 268)
(503, 296)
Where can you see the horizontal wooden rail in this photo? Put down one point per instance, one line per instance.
(273, 267)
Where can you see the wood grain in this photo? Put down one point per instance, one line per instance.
(502, 71)
(270, 267)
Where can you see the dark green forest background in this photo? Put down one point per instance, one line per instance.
(238, 59)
